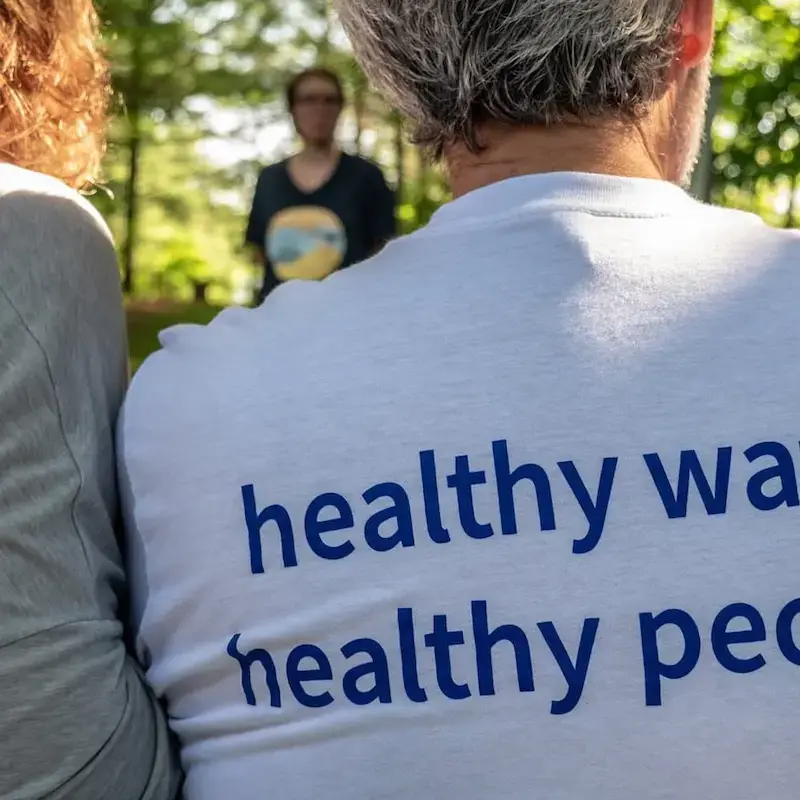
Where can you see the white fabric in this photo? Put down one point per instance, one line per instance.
(600, 331)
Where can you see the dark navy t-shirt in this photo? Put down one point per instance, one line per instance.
(309, 235)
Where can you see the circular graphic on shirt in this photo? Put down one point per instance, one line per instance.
(305, 243)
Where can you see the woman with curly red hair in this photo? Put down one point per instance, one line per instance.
(77, 719)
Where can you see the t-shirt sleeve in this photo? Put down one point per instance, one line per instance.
(256, 230)
(85, 726)
(381, 203)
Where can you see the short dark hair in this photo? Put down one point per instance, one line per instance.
(313, 72)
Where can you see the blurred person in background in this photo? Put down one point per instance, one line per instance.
(322, 209)
(76, 718)
(511, 509)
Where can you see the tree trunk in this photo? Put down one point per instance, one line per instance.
(421, 200)
(359, 99)
(400, 152)
(131, 203)
(201, 292)
(134, 101)
(703, 176)
(324, 42)
(793, 190)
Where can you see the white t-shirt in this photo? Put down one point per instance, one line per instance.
(509, 511)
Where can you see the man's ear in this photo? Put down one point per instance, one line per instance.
(696, 32)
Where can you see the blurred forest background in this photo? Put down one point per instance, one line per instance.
(199, 108)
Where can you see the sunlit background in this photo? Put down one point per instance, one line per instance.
(200, 108)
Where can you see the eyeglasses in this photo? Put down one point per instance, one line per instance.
(324, 100)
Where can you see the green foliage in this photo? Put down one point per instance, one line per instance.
(190, 232)
(757, 131)
(163, 53)
(423, 193)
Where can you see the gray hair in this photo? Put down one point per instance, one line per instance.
(450, 65)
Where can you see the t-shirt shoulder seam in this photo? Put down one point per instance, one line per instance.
(60, 417)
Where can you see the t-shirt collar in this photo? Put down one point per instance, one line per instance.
(601, 194)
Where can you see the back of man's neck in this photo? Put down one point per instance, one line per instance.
(513, 152)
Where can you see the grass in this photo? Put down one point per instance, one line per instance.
(145, 322)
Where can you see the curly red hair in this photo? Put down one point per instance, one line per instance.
(54, 88)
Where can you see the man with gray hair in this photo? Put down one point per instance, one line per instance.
(510, 510)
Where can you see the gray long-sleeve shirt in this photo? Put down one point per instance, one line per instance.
(76, 719)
